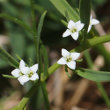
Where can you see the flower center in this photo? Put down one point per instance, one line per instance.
(30, 74)
(73, 29)
(68, 58)
(21, 74)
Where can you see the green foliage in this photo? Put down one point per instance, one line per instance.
(7, 57)
(98, 76)
(85, 10)
(62, 6)
(8, 76)
(40, 25)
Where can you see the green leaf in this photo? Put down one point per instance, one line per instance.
(17, 21)
(8, 76)
(98, 76)
(3, 64)
(40, 25)
(45, 58)
(63, 6)
(85, 10)
(7, 57)
(45, 94)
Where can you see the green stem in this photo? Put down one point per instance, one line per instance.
(26, 98)
(43, 85)
(34, 28)
(6, 56)
(99, 85)
(17, 21)
(104, 94)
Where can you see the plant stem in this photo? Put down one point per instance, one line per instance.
(34, 28)
(26, 98)
(99, 85)
(43, 86)
(104, 94)
(6, 56)
(17, 21)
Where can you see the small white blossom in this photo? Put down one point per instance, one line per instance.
(24, 73)
(92, 22)
(68, 59)
(73, 29)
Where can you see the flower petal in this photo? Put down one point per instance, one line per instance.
(89, 28)
(15, 73)
(22, 64)
(65, 53)
(25, 70)
(75, 35)
(79, 25)
(71, 24)
(75, 55)
(23, 79)
(66, 33)
(71, 65)
(34, 68)
(34, 77)
(90, 17)
(94, 22)
(61, 61)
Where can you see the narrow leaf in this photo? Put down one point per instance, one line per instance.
(45, 94)
(98, 76)
(63, 6)
(85, 9)
(17, 21)
(45, 58)
(40, 25)
(7, 57)
(8, 76)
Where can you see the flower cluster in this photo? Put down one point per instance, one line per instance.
(25, 73)
(73, 30)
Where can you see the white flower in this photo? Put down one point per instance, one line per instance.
(92, 22)
(73, 29)
(68, 59)
(24, 73)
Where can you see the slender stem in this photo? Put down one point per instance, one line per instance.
(34, 28)
(104, 94)
(6, 56)
(99, 85)
(26, 98)
(43, 86)
(17, 21)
